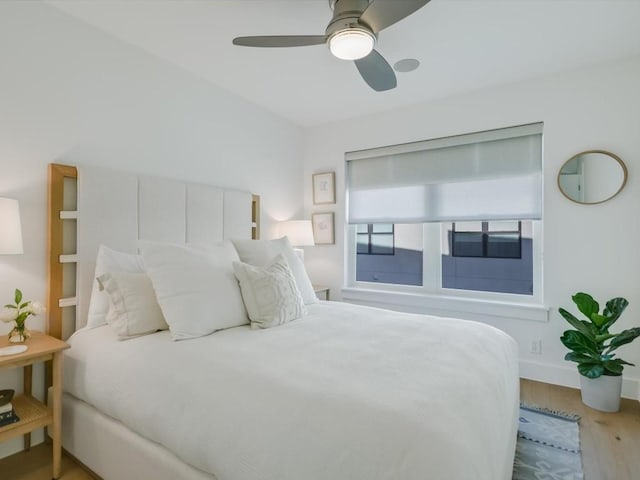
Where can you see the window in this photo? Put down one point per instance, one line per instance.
(488, 257)
(486, 239)
(476, 200)
(375, 239)
(388, 253)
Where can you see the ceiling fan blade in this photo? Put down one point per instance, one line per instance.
(377, 72)
(381, 14)
(280, 40)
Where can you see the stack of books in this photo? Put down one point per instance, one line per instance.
(7, 413)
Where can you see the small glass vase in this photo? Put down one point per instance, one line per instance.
(19, 334)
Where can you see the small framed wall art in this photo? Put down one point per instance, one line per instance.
(324, 188)
(323, 233)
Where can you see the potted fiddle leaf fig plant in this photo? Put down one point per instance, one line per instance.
(593, 348)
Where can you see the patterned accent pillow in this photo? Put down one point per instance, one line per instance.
(260, 252)
(270, 293)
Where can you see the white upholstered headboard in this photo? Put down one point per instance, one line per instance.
(117, 209)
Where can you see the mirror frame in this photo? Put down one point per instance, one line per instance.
(604, 152)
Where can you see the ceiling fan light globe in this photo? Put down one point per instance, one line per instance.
(352, 44)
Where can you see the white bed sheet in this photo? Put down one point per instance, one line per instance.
(348, 392)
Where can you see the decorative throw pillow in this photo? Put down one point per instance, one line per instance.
(196, 288)
(133, 307)
(260, 252)
(107, 261)
(270, 293)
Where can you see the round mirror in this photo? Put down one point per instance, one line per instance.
(594, 176)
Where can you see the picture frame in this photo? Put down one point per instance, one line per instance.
(323, 228)
(324, 188)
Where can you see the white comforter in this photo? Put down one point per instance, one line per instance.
(348, 392)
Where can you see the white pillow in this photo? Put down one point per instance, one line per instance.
(260, 252)
(107, 261)
(133, 307)
(270, 293)
(196, 287)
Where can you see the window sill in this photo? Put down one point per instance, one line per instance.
(446, 306)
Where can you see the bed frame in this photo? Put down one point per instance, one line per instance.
(87, 207)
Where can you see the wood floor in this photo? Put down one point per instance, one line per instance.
(36, 465)
(610, 441)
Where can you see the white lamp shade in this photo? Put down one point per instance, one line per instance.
(300, 232)
(10, 227)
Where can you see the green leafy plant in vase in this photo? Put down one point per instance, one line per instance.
(18, 312)
(593, 348)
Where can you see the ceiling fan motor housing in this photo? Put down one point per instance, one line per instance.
(346, 15)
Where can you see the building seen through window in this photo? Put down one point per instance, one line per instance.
(389, 253)
(486, 239)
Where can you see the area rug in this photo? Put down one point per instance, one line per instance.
(548, 446)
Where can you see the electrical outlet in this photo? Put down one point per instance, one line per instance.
(536, 346)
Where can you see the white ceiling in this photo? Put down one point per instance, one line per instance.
(463, 45)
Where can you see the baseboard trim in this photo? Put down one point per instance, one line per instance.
(567, 376)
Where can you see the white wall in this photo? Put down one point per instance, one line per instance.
(72, 94)
(586, 248)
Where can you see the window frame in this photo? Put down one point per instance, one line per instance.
(431, 296)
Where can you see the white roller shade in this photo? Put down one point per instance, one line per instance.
(495, 175)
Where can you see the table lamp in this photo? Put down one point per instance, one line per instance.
(300, 234)
(10, 227)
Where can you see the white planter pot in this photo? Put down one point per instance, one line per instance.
(602, 393)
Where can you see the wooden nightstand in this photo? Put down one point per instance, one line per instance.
(322, 292)
(33, 413)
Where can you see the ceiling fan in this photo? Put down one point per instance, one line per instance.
(351, 35)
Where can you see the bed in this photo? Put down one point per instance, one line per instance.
(345, 392)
